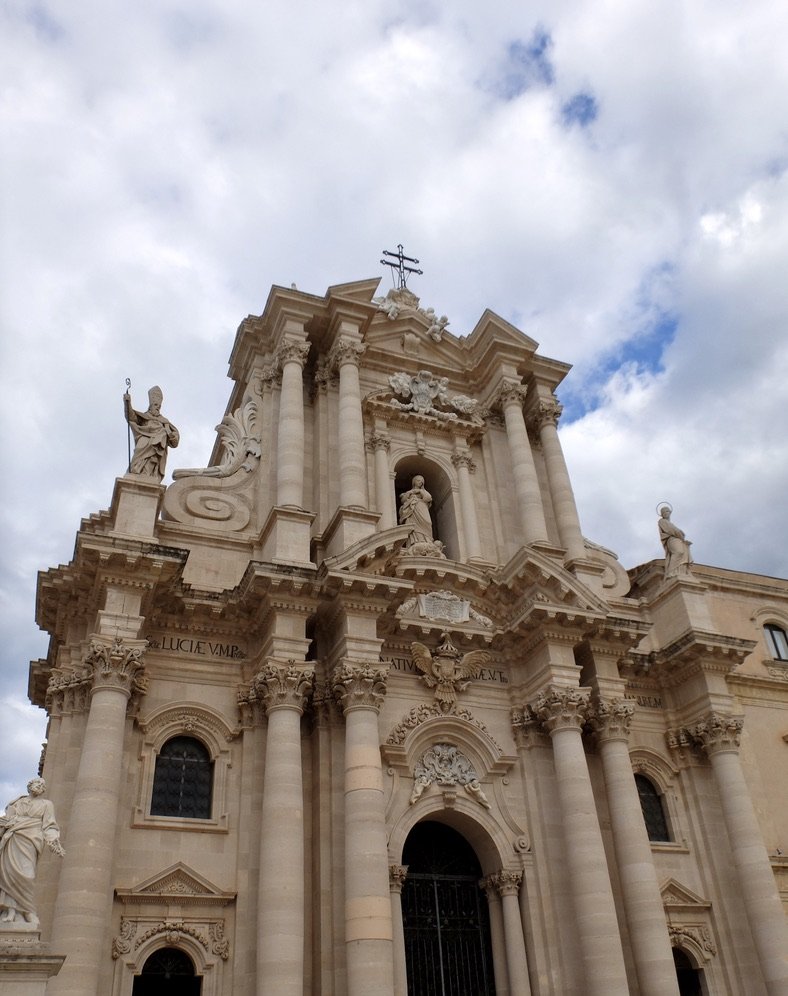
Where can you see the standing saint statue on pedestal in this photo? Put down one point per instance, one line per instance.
(28, 824)
(676, 546)
(153, 433)
(414, 511)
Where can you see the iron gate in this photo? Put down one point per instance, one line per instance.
(447, 936)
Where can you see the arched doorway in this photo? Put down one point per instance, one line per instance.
(168, 972)
(688, 977)
(445, 916)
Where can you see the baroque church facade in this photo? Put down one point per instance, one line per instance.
(357, 709)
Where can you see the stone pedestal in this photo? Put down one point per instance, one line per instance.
(348, 526)
(135, 506)
(285, 537)
(26, 964)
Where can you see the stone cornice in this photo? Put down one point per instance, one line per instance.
(377, 405)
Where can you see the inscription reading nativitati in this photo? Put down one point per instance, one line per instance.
(406, 666)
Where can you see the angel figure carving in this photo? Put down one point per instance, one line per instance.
(448, 671)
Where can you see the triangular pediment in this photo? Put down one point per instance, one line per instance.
(361, 291)
(176, 883)
(535, 581)
(676, 897)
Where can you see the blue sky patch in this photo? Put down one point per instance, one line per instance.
(643, 352)
(45, 25)
(527, 64)
(581, 109)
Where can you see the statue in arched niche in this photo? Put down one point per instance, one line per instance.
(414, 512)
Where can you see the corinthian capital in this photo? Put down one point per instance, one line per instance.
(505, 883)
(510, 392)
(546, 412)
(116, 665)
(346, 350)
(360, 686)
(397, 876)
(292, 351)
(380, 441)
(718, 733)
(611, 719)
(464, 460)
(283, 686)
(561, 708)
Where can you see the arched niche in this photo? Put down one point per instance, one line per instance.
(445, 526)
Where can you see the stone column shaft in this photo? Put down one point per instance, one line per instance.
(352, 454)
(563, 711)
(280, 909)
(648, 930)
(719, 736)
(397, 875)
(83, 907)
(464, 465)
(497, 937)
(383, 487)
(290, 435)
(368, 930)
(526, 484)
(561, 492)
(508, 885)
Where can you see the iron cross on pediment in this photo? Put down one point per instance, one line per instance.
(399, 267)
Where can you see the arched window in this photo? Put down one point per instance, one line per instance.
(688, 977)
(776, 641)
(183, 781)
(169, 971)
(651, 806)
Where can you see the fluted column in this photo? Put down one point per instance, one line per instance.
(648, 930)
(563, 712)
(546, 418)
(381, 443)
(526, 484)
(346, 355)
(497, 936)
(397, 876)
(719, 736)
(83, 908)
(360, 689)
(291, 356)
(508, 885)
(283, 689)
(465, 467)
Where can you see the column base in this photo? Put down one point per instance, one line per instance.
(285, 537)
(25, 962)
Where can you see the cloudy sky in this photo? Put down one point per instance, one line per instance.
(610, 176)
